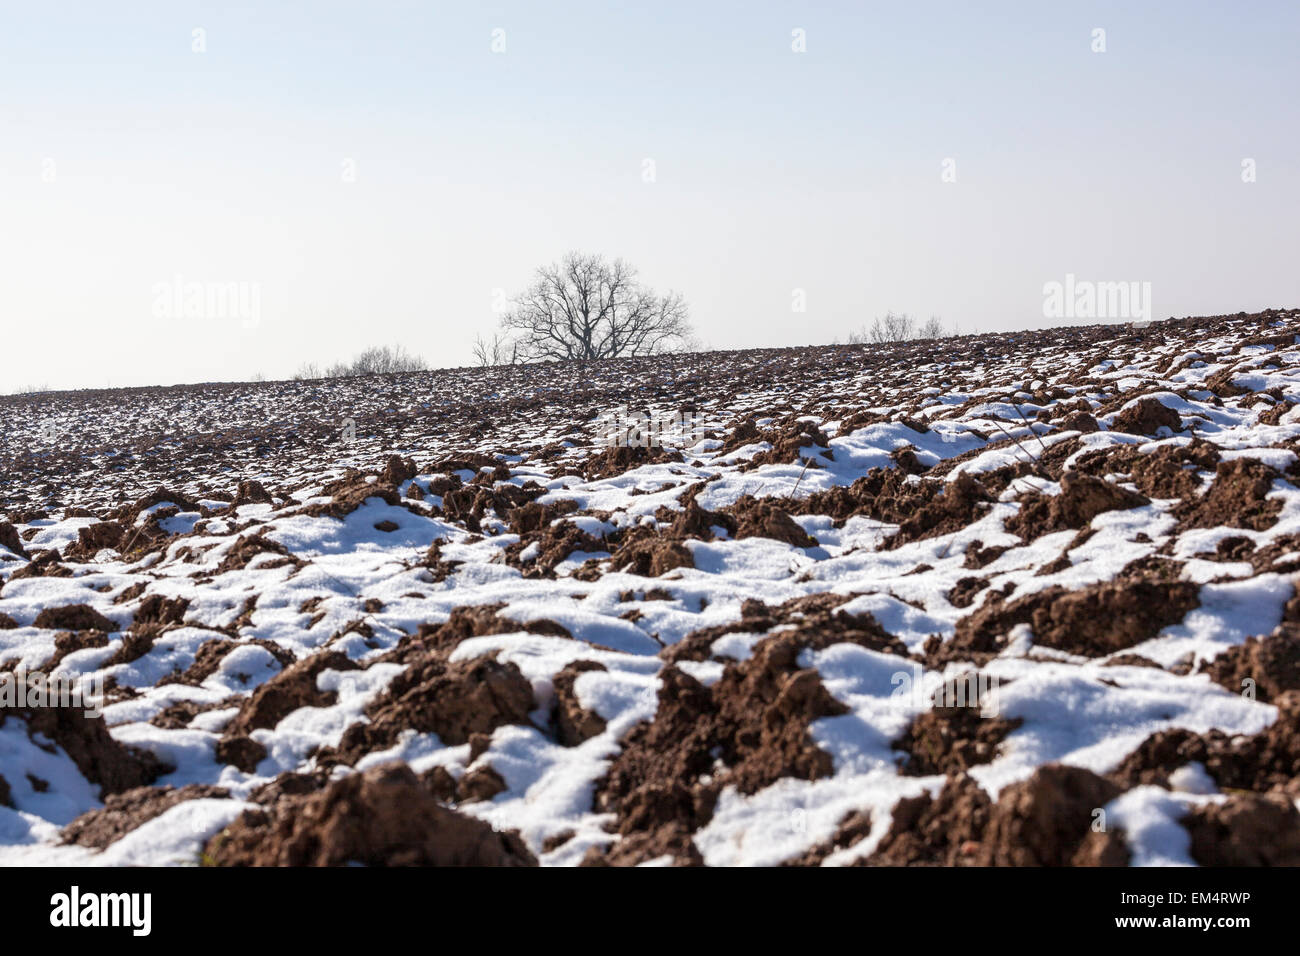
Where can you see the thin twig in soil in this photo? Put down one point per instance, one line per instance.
(806, 463)
(998, 426)
(1030, 427)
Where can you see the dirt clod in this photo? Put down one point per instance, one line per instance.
(383, 817)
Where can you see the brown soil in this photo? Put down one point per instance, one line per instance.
(881, 494)
(453, 700)
(87, 742)
(671, 839)
(1146, 417)
(962, 502)
(466, 621)
(1092, 621)
(977, 556)
(696, 522)
(9, 539)
(617, 459)
(293, 687)
(936, 831)
(964, 591)
(44, 564)
(1271, 663)
(383, 817)
(1247, 830)
(471, 503)
(251, 546)
(1236, 499)
(177, 716)
(124, 812)
(481, 783)
(1044, 820)
(533, 517)
(1264, 762)
(556, 542)
(291, 784)
(74, 617)
(1081, 499)
(748, 730)
(1221, 384)
(398, 470)
(573, 723)
(644, 552)
(211, 654)
(349, 494)
(250, 493)
(157, 613)
(69, 642)
(815, 620)
(759, 518)
(788, 440)
(243, 753)
(1168, 471)
(1079, 422)
(439, 568)
(95, 538)
(950, 740)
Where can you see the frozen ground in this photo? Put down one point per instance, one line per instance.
(1083, 541)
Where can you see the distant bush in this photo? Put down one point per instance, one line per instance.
(378, 360)
(900, 327)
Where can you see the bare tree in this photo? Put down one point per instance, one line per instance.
(500, 351)
(383, 360)
(932, 328)
(899, 327)
(307, 371)
(894, 327)
(377, 360)
(588, 308)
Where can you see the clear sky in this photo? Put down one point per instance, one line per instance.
(375, 172)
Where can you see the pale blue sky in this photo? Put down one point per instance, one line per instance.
(127, 160)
